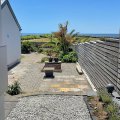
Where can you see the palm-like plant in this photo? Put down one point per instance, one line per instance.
(65, 38)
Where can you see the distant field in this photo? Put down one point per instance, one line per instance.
(86, 39)
(38, 40)
(41, 40)
(79, 39)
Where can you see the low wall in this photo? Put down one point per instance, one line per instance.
(101, 61)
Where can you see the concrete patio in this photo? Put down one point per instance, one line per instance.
(32, 81)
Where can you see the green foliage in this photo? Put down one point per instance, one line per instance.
(44, 59)
(104, 96)
(49, 45)
(66, 58)
(30, 37)
(65, 38)
(114, 117)
(71, 57)
(112, 108)
(26, 47)
(14, 89)
(40, 50)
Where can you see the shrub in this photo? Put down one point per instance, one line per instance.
(105, 97)
(114, 117)
(44, 59)
(112, 108)
(40, 50)
(14, 89)
(71, 57)
(26, 47)
(61, 54)
(66, 58)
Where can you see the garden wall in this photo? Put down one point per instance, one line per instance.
(101, 61)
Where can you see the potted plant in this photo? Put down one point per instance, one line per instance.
(55, 56)
(50, 55)
(56, 59)
(50, 59)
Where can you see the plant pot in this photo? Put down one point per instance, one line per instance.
(50, 59)
(56, 59)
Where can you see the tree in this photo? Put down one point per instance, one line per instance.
(65, 38)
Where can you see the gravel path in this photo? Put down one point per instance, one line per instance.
(50, 107)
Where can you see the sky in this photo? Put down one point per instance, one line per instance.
(85, 16)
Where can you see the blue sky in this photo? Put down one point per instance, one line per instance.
(85, 16)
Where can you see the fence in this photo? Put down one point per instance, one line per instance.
(101, 61)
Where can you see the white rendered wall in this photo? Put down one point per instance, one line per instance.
(3, 72)
(11, 36)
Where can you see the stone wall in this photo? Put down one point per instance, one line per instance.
(101, 61)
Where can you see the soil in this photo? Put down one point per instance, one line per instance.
(98, 109)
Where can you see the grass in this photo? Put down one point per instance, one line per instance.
(103, 106)
(80, 39)
(38, 40)
(41, 40)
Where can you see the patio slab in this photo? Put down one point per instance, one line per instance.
(28, 74)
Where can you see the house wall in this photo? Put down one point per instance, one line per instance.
(11, 36)
(3, 72)
(101, 61)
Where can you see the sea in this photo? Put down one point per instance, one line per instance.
(92, 35)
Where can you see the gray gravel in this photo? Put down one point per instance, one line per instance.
(50, 107)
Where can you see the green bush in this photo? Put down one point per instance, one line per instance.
(104, 96)
(14, 89)
(26, 47)
(40, 50)
(66, 58)
(114, 117)
(71, 57)
(112, 108)
(44, 59)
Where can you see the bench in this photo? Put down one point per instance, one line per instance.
(49, 72)
(78, 68)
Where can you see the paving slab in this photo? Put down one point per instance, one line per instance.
(68, 82)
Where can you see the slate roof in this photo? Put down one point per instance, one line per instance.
(6, 2)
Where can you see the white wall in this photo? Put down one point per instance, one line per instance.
(11, 36)
(3, 72)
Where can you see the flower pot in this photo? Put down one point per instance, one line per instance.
(50, 59)
(56, 59)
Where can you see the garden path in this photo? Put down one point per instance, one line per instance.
(32, 82)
